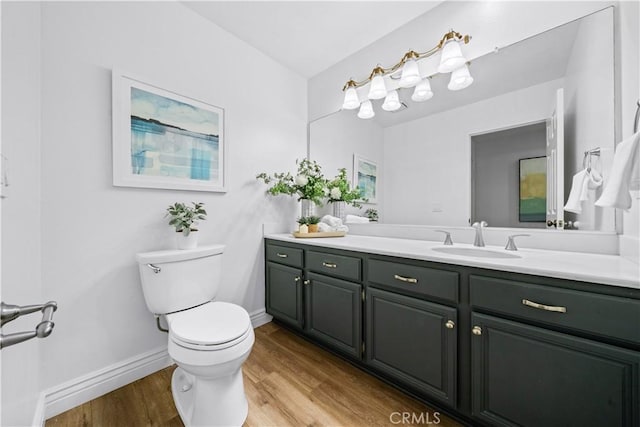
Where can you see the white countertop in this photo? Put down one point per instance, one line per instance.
(604, 269)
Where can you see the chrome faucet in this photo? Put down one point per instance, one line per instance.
(479, 241)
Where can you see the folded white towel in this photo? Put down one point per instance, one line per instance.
(616, 191)
(333, 221)
(578, 192)
(355, 219)
(327, 220)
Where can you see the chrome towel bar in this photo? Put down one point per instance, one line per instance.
(9, 312)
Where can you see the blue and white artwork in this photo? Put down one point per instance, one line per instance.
(165, 140)
(366, 178)
(171, 138)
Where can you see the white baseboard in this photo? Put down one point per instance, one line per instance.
(70, 394)
(259, 318)
(83, 389)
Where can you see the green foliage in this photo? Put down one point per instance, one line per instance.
(340, 190)
(372, 214)
(309, 183)
(184, 217)
(302, 220)
(312, 220)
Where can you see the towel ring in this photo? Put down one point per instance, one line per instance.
(586, 160)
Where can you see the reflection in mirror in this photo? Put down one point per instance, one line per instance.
(431, 157)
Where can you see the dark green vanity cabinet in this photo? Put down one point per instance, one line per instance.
(284, 294)
(413, 341)
(529, 376)
(489, 347)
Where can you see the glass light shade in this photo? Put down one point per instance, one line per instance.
(391, 102)
(366, 110)
(350, 99)
(410, 74)
(460, 78)
(451, 57)
(377, 90)
(422, 92)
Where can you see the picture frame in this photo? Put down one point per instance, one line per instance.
(165, 140)
(532, 189)
(365, 177)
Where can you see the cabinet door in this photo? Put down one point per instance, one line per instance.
(414, 341)
(284, 293)
(528, 376)
(334, 313)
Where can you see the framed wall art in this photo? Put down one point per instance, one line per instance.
(165, 140)
(533, 189)
(365, 177)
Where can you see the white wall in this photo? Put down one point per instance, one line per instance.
(589, 112)
(427, 161)
(92, 230)
(333, 142)
(21, 226)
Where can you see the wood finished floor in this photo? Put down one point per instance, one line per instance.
(288, 381)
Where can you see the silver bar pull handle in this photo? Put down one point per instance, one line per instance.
(405, 279)
(329, 264)
(556, 309)
(42, 329)
(281, 255)
(155, 268)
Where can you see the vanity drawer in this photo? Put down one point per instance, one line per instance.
(415, 279)
(609, 316)
(342, 266)
(284, 255)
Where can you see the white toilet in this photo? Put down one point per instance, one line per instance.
(208, 340)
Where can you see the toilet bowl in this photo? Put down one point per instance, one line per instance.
(209, 343)
(209, 340)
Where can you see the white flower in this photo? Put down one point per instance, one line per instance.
(325, 190)
(302, 180)
(336, 193)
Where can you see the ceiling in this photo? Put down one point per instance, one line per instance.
(310, 36)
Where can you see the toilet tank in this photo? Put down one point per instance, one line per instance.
(174, 280)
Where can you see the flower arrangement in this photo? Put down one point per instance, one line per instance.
(372, 214)
(309, 183)
(340, 191)
(184, 217)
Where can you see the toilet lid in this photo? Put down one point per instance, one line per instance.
(213, 323)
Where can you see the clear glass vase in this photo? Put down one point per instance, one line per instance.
(340, 210)
(307, 208)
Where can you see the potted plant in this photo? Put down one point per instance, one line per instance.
(309, 185)
(341, 194)
(302, 225)
(184, 218)
(372, 214)
(312, 223)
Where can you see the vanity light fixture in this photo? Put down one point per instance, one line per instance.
(451, 61)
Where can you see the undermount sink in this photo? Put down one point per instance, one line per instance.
(475, 252)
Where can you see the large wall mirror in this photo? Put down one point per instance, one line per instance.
(463, 156)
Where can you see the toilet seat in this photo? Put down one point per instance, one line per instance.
(211, 326)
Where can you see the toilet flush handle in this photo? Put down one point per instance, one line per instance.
(155, 268)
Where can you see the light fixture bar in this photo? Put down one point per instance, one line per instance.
(411, 55)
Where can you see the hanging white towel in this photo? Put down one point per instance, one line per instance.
(616, 191)
(578, 192)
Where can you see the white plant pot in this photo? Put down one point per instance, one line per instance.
(187, 242)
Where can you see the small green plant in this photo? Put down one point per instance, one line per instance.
(302, 220)
(309, 183)
(372, 214)
(340, 191)
(312, 220)
(184, 217)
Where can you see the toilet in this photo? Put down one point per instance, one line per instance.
(209, 340)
